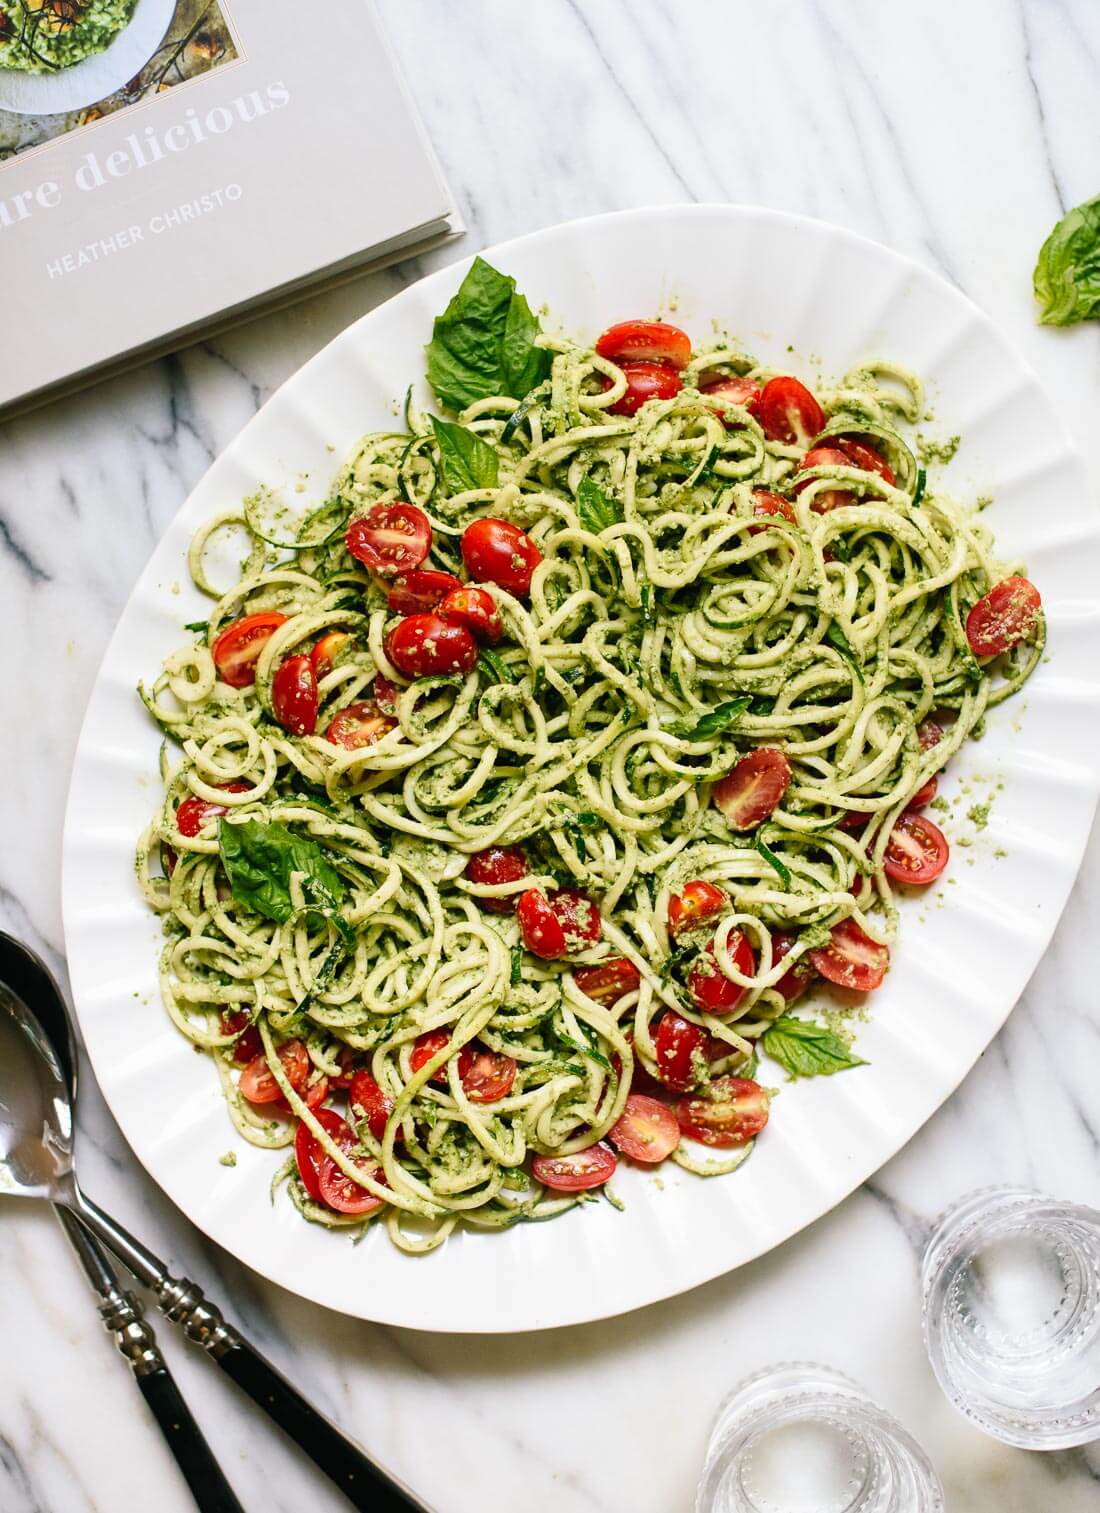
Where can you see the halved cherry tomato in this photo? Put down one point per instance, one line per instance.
(420, 590)
(610, 980)
(645, 341)
(390, 538)
(712, 990)
(682, 1052)
(1007, 614)
(294, 695)
(788, 412)
(308, 1150)
(862, 455)
(328, 648)
(799, 976)
(496, 865)
(541, 929)
(237, 648)
(496, 551)
(575, 1173)
(424, 645)
(929, 734)
(765, 503)
(476, 609)
(485, 1075)
(698, 902)
(366, 1100)
(754, 789)
(917, 850)
(645, 1130)
(730, 1111)
(344, 1194)
(578, 917)
(425, 1047)
(312, 1095)
(259, 1086)
(249, 1045)
(825, 499)
(347, 1060)
(194, 812)
(385, 694)
(924, 796)
(743, 392)
(644, 381)
(359, 725)
(852, 959)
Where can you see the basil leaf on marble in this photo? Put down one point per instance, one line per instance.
(1067, 274)
(466, 460)
(484, 342)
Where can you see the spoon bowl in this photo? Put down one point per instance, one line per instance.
(36, 1093)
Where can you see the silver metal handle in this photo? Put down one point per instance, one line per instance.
(120, 1311)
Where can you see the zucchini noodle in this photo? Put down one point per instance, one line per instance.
(584, 740)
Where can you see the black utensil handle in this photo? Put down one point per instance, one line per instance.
(365, 1485)
(211, 1491)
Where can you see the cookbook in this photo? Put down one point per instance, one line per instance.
(170, 166)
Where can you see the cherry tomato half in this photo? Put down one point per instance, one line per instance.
(294, 695)
(576, 1173)
(924, 796)
(765, 503)
(929, 734)
(610, 980)
(476, 609)
(194, 812)
(825, 499)
(249, 1045)
(552, 925)
(344, 1194)
(496, 551)
(754, 789)
(385, 694)
(1007, 614)
(917, 850)
(425, 645)
(699, 902)
(259, 1086)
(682, 1052)
(578, 917)
(712, 990)
(646, 1130)
(788, 412)
(742, 392)
(390, 538)
(496, 865)
(359, 725)
(852, 959)
(731, 1111)
(308, 1150)
(366, 1100)
(237, 648)
(328, 648)
(645, 341)
(485, 1075)
(425, 1047)
(862, 455)
(420, 590)
(644, 381)
(799, 976)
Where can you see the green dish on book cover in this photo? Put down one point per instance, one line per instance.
(47, 36)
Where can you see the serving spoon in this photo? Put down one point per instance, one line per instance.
(37, 1100)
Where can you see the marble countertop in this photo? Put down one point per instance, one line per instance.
(956, 133)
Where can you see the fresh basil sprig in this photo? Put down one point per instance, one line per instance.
(484, 342)
(715, 721)
(467, 461)
(259, 858)
(1067, 274)
(595, 509)
(805, 1048)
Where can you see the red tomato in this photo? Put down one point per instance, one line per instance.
(698, 902)
(788, 412)
(490, 868)
(798, 977)
(347, 1059)
(754, 789)
(731, 1111)
(917, 850)
(644, 381)
(712, 990)
(578, 917)
(476, 609)
(640, 1079)
(743, 392)
(294, 695)
(259, 1086)
(541, 929)
(645, 341)
(575, 1173)
(390, 538)
(385, 694)
(681, 1051)
(366, 1100)
(425, 1047)
(924, 796)
(343, 1194)
(194, 812)
(486, 1077)
(862, 455)
(423, 645)
(929, 734)
(237, 648)
(308, 1150)
(645, 1130)
(496, 551)
(610, 980)
(422, 589)
(765, 503)
(249, 1045)
(826, 499)
(359, 725)
(1008, 613)
(313, 1095)
(324, 654)
(852, 959)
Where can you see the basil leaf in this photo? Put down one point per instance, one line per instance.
(773, 861)
(715, 721)
(492, 668)
(197, 625)
(467, 461)
(918, 492)
(259, 859)
(484, 342)
(1067, 274)
(586, 817)
(595, 510)
(839, 641)
(807, 1049)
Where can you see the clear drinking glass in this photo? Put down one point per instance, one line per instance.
(805, 1439)
(1011, 1283)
